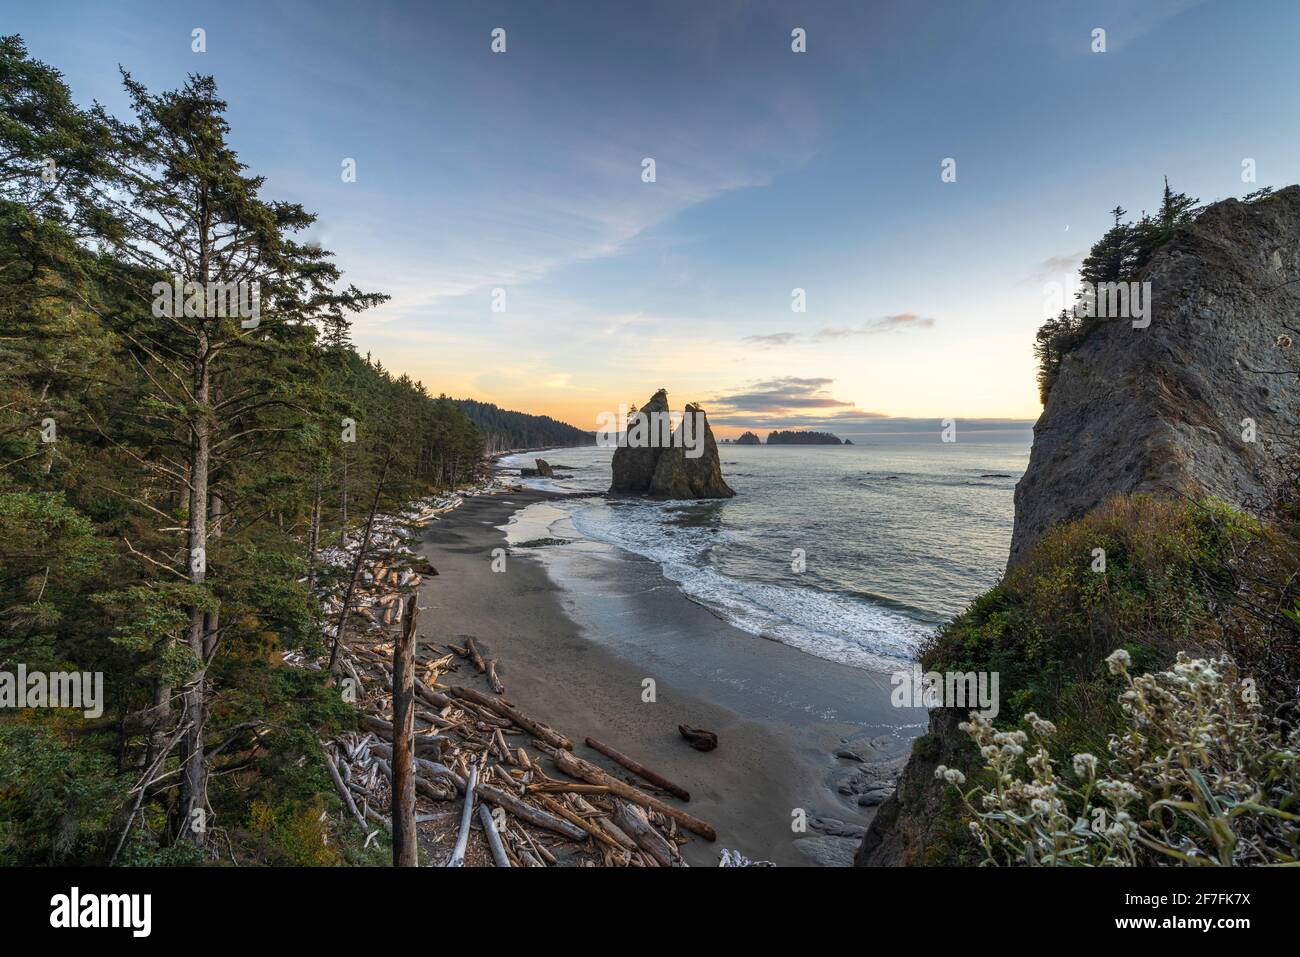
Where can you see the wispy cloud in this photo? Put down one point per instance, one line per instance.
(789, 400)
(902, 320)
(1054, 267)
(775, 339)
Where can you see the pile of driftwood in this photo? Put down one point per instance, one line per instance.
(467, 784)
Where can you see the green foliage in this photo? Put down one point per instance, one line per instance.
(800, 437)
(96, 557)
(1053, 618)
(57, 799)
(503, 429)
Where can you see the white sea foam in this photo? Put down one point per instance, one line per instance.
(925, 525)
(847, 629)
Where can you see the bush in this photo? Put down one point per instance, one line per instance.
(1052, 619)
(57, 801)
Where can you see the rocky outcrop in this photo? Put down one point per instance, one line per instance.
(1160, 409)
(655, 460)
(900, 834)
(1164, 408)
(544, 469)
(634, 467)
(677, 475)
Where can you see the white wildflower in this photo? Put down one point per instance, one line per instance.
(1118, 662)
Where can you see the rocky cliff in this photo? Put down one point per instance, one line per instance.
(655, 460)
(1170, 409)
(1164, 408)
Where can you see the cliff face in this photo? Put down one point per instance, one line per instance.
(1151, 410)
(1161, 409)
(662, 468)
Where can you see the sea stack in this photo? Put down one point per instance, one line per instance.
(661, 467)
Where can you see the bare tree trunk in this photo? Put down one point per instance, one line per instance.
(314, 540)
(340, 633)
(159, 720)
(193, 826)
(344, 529)
(405, 847)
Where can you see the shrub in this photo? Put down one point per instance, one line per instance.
(1052, 619)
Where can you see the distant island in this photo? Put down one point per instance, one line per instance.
(798, 438)
(749, 438)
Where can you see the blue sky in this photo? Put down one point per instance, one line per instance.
(775, 170)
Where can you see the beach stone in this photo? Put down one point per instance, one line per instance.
(828, 851)
(833, 828)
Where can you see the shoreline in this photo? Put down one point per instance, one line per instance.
(579, 630)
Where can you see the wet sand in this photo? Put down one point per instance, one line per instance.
(578, 657)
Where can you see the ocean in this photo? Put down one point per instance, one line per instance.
(851, 553)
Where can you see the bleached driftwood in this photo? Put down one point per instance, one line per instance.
(493, 838)
(457, 858)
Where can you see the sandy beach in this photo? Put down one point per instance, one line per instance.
(579, 629)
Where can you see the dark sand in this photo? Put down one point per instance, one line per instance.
(577, 657)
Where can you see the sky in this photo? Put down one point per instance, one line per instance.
(523, 171)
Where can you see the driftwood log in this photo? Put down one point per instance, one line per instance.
(493, 838)
(637, 768)
(632, 821)
(586, 771)
(343, 791)
(535, 728)
(457, 858)
(475, 655)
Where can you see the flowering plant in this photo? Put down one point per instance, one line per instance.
(1196, 777)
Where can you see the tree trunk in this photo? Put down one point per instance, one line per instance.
(340, 633)
(404, 833)
(314, 540)
(193, 827)
(344, 529)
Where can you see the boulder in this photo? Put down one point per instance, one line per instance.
(544, 470)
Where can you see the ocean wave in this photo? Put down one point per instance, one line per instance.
(837, 627)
